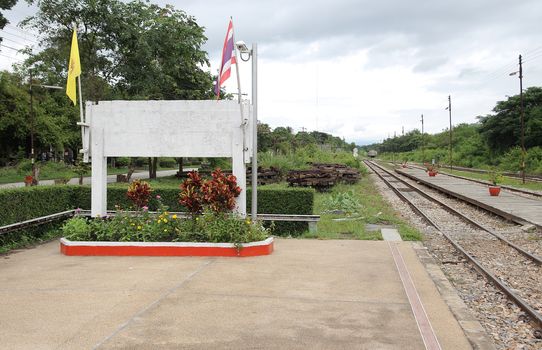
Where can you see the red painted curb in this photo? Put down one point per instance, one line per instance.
(85, 248)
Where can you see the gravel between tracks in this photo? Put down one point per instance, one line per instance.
(507, 325)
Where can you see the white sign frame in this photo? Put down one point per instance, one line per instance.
(166, 129)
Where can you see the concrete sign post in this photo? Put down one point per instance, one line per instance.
(166, 129)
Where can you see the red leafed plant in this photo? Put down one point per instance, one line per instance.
(191, 195)
(139, 192)
(220, 192)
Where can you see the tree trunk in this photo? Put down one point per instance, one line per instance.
(131, 169)
(153, 164)
(180, 160)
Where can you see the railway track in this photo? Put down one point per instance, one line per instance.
(516, 272)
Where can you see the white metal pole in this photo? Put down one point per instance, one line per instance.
(254, 207)
(243, 121)
(84, 129)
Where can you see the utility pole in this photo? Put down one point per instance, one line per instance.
(450, 111)
(393, 150)
(522, 121)
(522, 117)
(32, 123)
(423, 150)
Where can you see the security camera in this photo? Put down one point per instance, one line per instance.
(241, 46)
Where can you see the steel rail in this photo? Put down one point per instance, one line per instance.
(36, 221)
(535, 258)
(537, 317)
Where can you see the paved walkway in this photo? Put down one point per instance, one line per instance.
(110, 178)
(517, 208)
(309, 294)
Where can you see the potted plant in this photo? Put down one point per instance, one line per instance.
(494, 177)
(432, 169)
(28, 179)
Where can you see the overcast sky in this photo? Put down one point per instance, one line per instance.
(363, 70)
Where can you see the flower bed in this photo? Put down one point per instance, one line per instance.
(212, 229)
(86, 248)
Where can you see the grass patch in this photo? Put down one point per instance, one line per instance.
(372, 209)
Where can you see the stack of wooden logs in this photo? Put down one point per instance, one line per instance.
(323, 176)
(265, 176)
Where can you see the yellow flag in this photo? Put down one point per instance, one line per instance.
(74, 70)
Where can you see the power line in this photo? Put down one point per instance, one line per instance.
(11, 26)
(13, 41)
(9, 47)
(19, 36)
(13, 58)
(532, 58)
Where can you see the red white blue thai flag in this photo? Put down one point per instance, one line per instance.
(228, 59)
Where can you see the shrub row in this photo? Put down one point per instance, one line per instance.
(30, 202)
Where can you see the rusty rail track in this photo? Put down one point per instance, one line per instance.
(535, 315)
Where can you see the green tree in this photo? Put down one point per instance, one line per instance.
(502, 130)
(133, 50)
(5, 5)
(52, 118)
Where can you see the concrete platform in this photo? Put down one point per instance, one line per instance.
(309, 294)
(509, 205)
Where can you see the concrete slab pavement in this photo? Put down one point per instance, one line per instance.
(308, 294)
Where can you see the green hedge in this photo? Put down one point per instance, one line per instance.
(284, 201)
(30, 202)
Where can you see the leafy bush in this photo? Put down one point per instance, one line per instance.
(344, 201)
(122, 161)
(192, 196)
(139, 192)
(220, 192)
(217, 194)
(167, 162)
(77, 229)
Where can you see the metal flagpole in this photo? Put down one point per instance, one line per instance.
(82, 115)
(243, 121)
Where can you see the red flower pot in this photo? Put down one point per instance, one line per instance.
(494, 190)
(28, 180)
(432, 173)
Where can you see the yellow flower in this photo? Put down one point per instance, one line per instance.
(139, 227)
(197, 219)
(174, 217)
(165, 221)
(133, 224)
(247, 221)
(165, 230)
